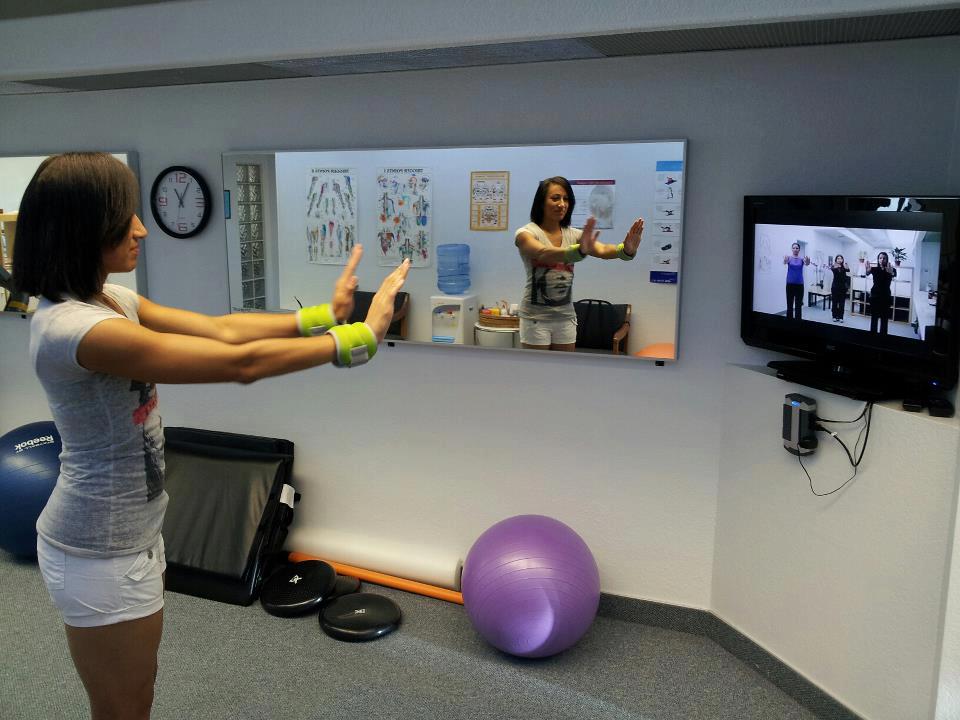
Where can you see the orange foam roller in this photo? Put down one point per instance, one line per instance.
(378, 578)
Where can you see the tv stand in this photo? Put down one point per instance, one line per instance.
(855, 383)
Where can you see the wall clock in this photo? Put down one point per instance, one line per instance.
(180, 201)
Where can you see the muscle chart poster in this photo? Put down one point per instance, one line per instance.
(489, 200)
(331, 215)
(404, 211)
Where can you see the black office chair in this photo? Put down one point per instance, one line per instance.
(401, 308)
(602, 325)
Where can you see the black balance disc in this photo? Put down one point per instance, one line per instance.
(298, 588)
(359, 616)
(345, 585)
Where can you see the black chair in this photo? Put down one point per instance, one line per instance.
(401, 308)
(602, 325)
(229, 510)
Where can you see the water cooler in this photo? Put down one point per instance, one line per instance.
(453, 318)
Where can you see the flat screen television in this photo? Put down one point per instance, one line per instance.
(878, 322)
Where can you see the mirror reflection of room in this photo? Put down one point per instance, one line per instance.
(882, 281)
(454, 212)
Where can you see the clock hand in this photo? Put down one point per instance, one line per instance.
(184, 193)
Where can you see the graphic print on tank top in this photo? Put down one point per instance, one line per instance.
(552, 284)
(149, 422)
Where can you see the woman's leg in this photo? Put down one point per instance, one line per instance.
(789, 303)
(118, 666)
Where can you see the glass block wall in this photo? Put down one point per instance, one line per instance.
(250, 221)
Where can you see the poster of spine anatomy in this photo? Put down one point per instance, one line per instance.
(404, 212)
(331, 215)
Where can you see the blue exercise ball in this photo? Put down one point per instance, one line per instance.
(29, 466)
(530, 586)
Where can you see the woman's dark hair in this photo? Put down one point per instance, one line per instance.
(76, 206)
(536, 210)
(886, 258)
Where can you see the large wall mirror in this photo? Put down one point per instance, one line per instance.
(292, 217)
(15, 175)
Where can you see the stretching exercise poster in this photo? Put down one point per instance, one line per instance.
(331, 215)
(404, 212)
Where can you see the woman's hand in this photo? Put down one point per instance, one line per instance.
(588, 238)
(632, 241)
(342, 302)
(381, 307)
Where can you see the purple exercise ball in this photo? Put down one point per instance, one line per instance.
(530, 586)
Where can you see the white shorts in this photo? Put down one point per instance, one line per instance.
(94, 591)
(548, 332)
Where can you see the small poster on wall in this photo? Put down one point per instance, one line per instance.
(594, 198)
(404, 212)
(489, 199)
(331, 215)
(665, 226)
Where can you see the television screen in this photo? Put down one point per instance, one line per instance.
(861, 286)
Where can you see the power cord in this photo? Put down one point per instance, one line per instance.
(864, 435)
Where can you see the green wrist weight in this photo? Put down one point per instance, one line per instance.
(315, 320)
(356, 344)
(622, 254)
(572, 254)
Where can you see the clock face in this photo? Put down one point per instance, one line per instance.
(180, 201)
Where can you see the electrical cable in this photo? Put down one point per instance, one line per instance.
(868, 413)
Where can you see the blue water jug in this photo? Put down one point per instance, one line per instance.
(453, 268)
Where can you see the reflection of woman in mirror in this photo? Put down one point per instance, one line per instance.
(881, 299)
(839, 287)
(99, 349)
(549, 247)
(795, 265)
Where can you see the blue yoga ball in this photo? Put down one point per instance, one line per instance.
(530, 586)
(29, 466)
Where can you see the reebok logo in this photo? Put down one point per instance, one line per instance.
(36, 442)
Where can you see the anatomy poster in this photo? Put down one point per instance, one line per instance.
(596, 198)
(489, 200)
(331, 215)
(404, 212)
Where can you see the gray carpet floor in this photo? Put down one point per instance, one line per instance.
(224, 662)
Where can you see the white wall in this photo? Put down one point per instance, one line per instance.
(847, 589)
(627, 453)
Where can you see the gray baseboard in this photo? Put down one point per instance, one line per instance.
(705, 623)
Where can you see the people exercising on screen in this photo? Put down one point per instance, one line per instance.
(881, 299)
(99, 350)
(839, 287)
(549, 247)
(795, 265)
